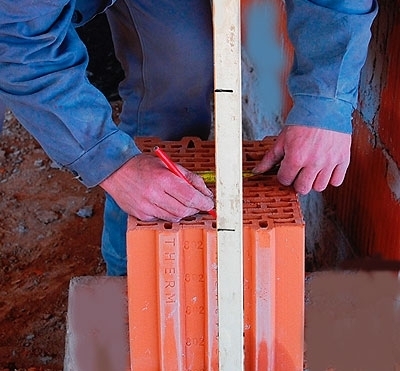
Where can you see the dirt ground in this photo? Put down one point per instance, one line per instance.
(50, 230)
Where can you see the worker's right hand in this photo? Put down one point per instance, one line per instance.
(146, 189)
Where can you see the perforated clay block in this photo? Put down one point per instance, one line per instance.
(172, 275)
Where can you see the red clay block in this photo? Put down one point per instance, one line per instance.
(172, 296)
(172, 276)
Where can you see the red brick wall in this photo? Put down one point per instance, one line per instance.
(368, 202)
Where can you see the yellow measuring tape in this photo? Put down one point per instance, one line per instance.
(210, 177)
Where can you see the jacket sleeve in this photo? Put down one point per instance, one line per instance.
(43, 81)
(331, 40)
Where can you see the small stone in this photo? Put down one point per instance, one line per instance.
(54, 165)
(47, 216)
(38, 163)
(46, 359)
(21, 229)
(47, 316)
(85, 212)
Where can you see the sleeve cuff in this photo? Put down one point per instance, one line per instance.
(106, 157)
(323, 113)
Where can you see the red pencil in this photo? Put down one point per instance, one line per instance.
(174, 169)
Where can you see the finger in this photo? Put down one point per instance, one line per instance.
(322, 180)
(191, 198)
(186, 195)
(339, 174)
(175, 211)
(289, 170)
(271, 158)
(150, 211)
(166, 207)
(197, 182)
(305, 180)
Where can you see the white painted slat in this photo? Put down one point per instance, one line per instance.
(228, 139)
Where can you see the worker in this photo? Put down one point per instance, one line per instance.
(165, 49)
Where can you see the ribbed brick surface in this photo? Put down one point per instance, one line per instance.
(172, 276)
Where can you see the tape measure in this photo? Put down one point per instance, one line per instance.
(210, 177)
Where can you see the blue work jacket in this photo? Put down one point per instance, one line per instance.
(43, 77)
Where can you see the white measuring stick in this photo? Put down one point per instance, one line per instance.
(228, 139)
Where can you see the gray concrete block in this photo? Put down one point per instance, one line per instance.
(97, 325)
(353, 321)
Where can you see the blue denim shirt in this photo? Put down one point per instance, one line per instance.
(43, 76)
(330, 50)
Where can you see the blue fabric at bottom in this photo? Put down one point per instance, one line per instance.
(114, 238)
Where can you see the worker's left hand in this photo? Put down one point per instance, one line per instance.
(310, 158)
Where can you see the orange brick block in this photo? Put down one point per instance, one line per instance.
(172, 276)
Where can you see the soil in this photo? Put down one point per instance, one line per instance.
(50, 230)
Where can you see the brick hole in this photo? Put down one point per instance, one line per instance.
(253, 215)
(268, 211)
(284, 221)
(207, 144)
(285, 190)
(288, 199)
(251, 205)
(168, 225)
(186, 164)
(204, 160)
(282, 218)
(252, 194)
(146, 224)
(188, 219)
(249, 144)
(263, 224)
(283, 204)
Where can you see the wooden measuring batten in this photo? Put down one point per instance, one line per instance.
(228, 157)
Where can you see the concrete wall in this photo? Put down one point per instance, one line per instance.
(266, 59)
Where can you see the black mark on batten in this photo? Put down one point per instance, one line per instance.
(223, 90)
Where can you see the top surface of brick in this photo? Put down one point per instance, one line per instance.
(266, 203)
